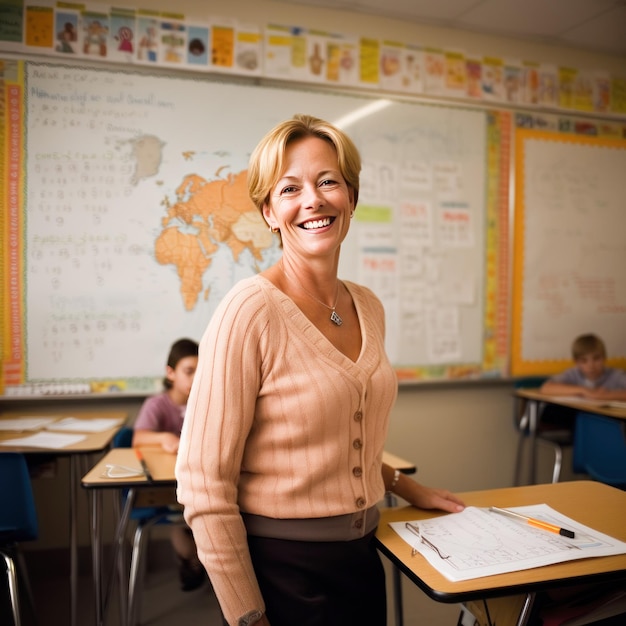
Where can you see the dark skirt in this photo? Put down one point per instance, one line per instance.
(325, 583)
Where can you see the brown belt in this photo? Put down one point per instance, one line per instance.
(337, 528)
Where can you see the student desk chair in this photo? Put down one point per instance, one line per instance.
(146, 516)
(527, 420)
(600, 448)
(93, 442)
(18, 522)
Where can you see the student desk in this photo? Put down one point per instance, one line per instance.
(535, 398)
(94, 442)
(594, 504)
(161, 465)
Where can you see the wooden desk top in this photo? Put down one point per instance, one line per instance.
(161, 465)
(406, 467)
(594, 504)
(94, 442)
(600, 407)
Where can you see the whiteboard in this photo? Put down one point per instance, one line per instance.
(570, 248)
(110, 158)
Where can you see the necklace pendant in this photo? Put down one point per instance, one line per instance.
(335, 318)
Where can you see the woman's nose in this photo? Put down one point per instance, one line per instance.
(312, 197)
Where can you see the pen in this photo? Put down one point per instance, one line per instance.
(144, 465)
(535, 522)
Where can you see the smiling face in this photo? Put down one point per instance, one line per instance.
(311, 203)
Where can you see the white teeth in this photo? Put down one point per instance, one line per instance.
(317, 223)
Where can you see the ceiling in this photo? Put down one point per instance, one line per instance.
(594, 25)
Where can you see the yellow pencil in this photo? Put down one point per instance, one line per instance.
(535, 522)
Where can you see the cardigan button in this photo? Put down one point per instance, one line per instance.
(357, 471)
(360, 502)
(358, 416)
(357, 444)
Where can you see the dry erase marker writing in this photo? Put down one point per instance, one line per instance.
(535, 522)
(144, 465)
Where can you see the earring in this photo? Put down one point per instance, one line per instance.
(274, 230)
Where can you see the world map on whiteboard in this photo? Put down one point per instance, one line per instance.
(201, 215)
(136, 221)
(204, 215)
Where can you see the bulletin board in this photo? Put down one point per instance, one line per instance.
(569, 249)
(127, 220)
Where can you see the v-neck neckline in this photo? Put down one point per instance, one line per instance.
(312, 332)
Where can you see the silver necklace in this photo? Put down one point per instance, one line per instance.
(335, 318)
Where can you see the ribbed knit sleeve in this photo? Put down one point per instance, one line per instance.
(279, 423)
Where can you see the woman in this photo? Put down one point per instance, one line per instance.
(279, 468)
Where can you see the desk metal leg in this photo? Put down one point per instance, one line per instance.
(118, 540)
(533, 411)
(74, 462)
(512, 610)
(397, 596)
(524, 615)
(391, 501)
(96, 551)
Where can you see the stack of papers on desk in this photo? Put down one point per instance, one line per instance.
(26, 423)
(477, 542)
(96, 425)
(54, 441)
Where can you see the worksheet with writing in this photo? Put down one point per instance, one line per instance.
(478, 542)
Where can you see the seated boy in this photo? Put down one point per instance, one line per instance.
(590, 378)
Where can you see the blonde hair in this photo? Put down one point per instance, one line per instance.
(588, 344)
(267, 161)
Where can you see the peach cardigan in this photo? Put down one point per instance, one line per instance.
(281, 424)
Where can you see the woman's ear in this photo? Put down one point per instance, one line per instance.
(169, 373)
(267, 214)
(352, 196)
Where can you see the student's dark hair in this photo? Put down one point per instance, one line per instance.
(179, 350)
(588, 344)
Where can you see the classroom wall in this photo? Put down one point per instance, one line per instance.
(351, 23)
(460, 435)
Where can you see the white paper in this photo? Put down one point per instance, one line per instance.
(25, 423)
(477, 542)
(86, 425)
(54, 441)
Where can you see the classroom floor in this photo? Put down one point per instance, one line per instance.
(162, 601)
(164, 604)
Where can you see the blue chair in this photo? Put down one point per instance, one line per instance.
(600, 448)
(555, 438)
(146, 517)
(18, 523)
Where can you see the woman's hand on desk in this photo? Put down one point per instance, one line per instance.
(429, 498)
(426, 497)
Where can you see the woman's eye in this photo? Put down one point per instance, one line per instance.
(327, 182)
(288, 190)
